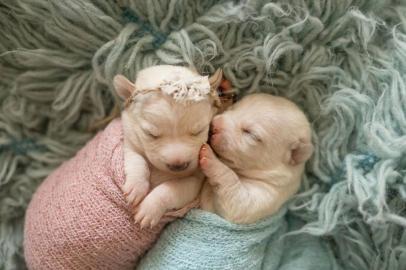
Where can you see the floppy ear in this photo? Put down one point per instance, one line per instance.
(123, 86)
(300, 152)
(216, 79)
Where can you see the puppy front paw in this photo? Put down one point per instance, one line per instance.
(149, 213)
(206, 157)
(208, 160)
(135, 191)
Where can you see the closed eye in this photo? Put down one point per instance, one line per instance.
(251, 134)
(150, 134)
(197, 133)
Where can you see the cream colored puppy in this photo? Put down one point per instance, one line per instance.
(261, 145)
(165, 122)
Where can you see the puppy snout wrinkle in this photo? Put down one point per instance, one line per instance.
(176, 167)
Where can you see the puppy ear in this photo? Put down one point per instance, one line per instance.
(123, 86)
(300, 152)
(216, 79)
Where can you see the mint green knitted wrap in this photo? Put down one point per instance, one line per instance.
(342, 61)
(205, 241)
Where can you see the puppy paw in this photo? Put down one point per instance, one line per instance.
(207, 158)
(135, 191)
(149, 213)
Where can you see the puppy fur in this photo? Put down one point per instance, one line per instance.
(162, 139)
(261, 145)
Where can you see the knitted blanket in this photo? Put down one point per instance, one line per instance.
(79, 219)
(342, 61)
(205, 241)
(202, 240)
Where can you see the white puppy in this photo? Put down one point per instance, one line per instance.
(165, 122)
(262, 143)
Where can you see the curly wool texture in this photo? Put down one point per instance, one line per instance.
(342, 61)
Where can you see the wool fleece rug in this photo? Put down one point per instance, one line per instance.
(342, 61)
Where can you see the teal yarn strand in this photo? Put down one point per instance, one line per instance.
(22, 147)
(129, 16)
(342, 61)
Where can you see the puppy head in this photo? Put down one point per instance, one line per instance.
(262, 131)
(167, 131)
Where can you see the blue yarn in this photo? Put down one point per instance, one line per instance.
(367, 162)
(22, 147)
(130, 17)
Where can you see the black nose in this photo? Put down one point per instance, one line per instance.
(177, 167)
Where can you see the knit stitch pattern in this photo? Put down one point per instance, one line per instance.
(79, 219)
(204, 241)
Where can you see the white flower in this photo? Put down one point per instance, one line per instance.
(195, 89)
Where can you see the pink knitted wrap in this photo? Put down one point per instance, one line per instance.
(78, 217)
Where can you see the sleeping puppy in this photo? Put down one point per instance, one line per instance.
(165, 121)
(260, 148)
(79, 219)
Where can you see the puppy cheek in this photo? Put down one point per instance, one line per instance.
(234, 144)
(193, 164)
(195, 156)
(222, 143)
(202, 139)
(152, 151)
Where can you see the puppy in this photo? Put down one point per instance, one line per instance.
(260, 148)
(165, 121)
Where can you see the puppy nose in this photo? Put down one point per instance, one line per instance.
(177, 167)
(215, 125)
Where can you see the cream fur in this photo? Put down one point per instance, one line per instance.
(262, 143)
(159, 131)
